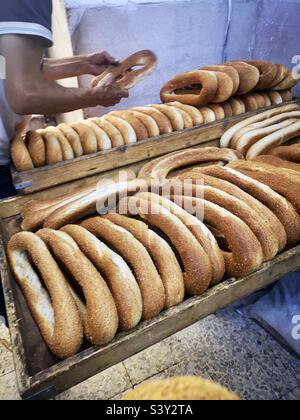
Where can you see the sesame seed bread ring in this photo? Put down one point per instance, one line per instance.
(173, 114)
(246, 254)
(66, 148)
(127, 76)
(282, 72)
(37, 147)
(197, 269)
(184, 158)
(207, 79)
(268, 72)
(284, 211)
(60, 325)
(215, 177)
(87, 136)
(249, 76)
(19, 152)
(194, 113)
(199, 230)
(283, 181)
(236, 106)
(227, 109)
(138, 126)
(90, 203)
(117, 274)
(73, 138)
(208, 114)
(228, 135)
(218, 111)
(291, 80)
(124, 127)
(225, 87)
(249, 102)
(243, 108)
(162, 121)
(138, 259)
(101, 318)
(230, 71)
(149, 122)
(54, 152)
(275, 139)
(187, 119)
(260, 100)
(103, 141)
(276, 161)
(266, 98)
(286, 95)
(239, 208)
(247, 140)
(161, 253)
(113, 133)
(291, 153)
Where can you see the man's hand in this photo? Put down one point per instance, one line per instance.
(98, 62)
(108, 93)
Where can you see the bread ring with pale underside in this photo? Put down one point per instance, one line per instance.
(206, 79)
(260, 100)
(230, 71)
(162, 121)
(200, 232)
(124, 127)
(126, 76)
(284, 211)
(148, 121)
(286, 95)
(237, 106)
(228, 135)
(268, 72)
(87, 136)
(197, 269)
(246, 254)
(263, 213)
(60, 325)
(138, 259)
(140, 129)
(169, 163)
(225, 87)
(103, 140)
(218, 111)
(266, 98)
(117, 274)
(161, 253)
(187, 120)
(282, 72)
(19, 153)
(275, 97)
(113, 133)
(275, 139)
(208, 114)
(73, 138)
(277, 162)
(227, 109)
(174, 115)
(249, 76)
(101, 318)
(291, 153)
(100, 200)
(239, 208)
(37, 147)
(249, 102)
(194, 113)
(283, 181)
(67, 151)
(291, 80)
(54, 152)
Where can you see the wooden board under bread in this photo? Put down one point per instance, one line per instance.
(86, 166)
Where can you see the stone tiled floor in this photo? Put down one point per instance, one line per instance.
(225, 347)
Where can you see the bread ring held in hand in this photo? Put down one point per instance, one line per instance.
(60, 324)
(126, 76)
(246, 254)
(138, 259)
(118, 276)
(101, 320)
(161, 253)
(207, 80)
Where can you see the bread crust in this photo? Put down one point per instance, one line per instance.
(290, 81)
(137, 257)
(67, 151)
(113, 133)
(208, 114)
(87, 137)
(103, 141)
(138, 126)
(173, 114)
(37, 148)
(282, 72)
(73, 138)
(162, 121)
(249, 76)
(249, 102)
(124, 127)
(60, 325)
(277, 162)
(291, 153)
(218, 111)
(230, 71)
(268, 72)
(225, 87)
(194, 113)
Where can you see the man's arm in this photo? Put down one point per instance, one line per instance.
(28, 92)
(94, 64)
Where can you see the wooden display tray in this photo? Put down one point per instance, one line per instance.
(48, 176)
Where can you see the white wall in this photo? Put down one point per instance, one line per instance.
(185, 34)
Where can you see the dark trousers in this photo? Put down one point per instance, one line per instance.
(6, 190)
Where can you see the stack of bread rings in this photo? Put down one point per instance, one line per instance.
(255, 137)
(249, 85)
(131, 250)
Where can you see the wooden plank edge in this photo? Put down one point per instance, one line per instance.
(78, 368)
